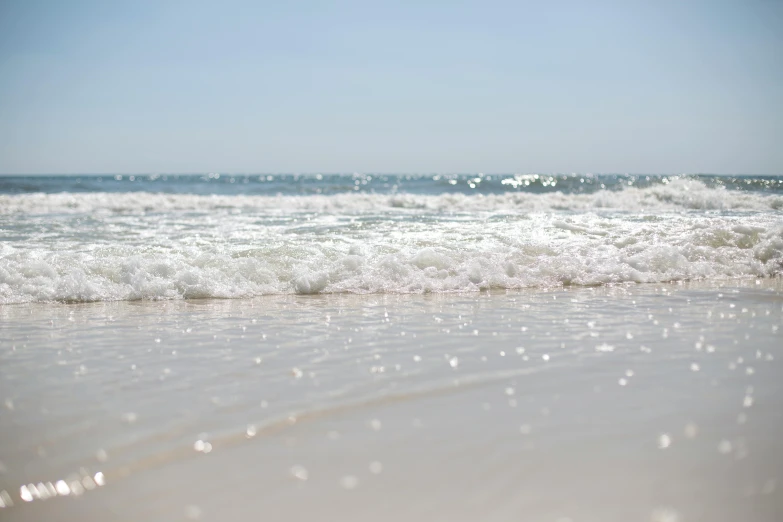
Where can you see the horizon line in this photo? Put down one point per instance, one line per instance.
(381, 173)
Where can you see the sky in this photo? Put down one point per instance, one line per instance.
(424, 86)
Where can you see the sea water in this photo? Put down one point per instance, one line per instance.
(181, 237)
(466, 347)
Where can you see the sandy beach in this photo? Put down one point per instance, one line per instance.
(635, 402)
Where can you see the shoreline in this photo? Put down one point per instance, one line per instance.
(184, 392)
(774, 282)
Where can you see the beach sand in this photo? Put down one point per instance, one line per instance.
(651, 402)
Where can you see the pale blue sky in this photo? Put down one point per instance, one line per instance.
(506, 86)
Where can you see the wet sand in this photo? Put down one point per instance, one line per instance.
(644, 402)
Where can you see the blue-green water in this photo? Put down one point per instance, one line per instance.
(306, 184)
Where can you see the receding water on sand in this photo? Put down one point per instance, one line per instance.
(633, 402)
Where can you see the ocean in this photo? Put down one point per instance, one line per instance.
(123, 238)
(391, 347)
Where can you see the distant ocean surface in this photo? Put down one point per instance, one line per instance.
(123, 238)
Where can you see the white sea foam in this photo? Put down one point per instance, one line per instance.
(130, 246)
(679, 194)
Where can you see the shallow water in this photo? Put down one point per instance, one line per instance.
(613, 403)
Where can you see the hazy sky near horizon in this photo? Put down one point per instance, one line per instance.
(490, 86)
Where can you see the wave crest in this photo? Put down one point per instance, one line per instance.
(678, 194)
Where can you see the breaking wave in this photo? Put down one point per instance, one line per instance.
(76, 247)
(678, 194)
